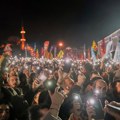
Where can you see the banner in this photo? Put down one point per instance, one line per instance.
(117, 53)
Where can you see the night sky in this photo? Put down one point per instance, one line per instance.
(73, 21)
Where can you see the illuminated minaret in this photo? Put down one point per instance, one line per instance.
(23, 38)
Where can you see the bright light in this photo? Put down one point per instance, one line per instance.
(72, 64)
(38, 68)
(67, 60)
(97, 91)
(49, 83)
(13, 63)
(42, 77)
(6, 69)
(76, 97)
(60, 44)
(92, 101)
(50, 71)
(26, 67)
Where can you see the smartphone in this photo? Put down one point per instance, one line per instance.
(114, 108)
(96, 103)
(50, 85)
(42, 77)
(66, 67)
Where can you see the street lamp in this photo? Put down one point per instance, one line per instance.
(60, 44)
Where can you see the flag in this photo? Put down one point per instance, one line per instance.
(88, 55)
(34, 46)
(46, 45)
(42, 51)
(37, 53)
(103, 48)
(108, 49)
(94, 46)
(81, 56)
(60, 54)
(117, 53)
(84, 51)
(55, 52)
(51, 49)
(93, 55)
(50, 56)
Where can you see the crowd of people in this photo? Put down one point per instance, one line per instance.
(41, 89)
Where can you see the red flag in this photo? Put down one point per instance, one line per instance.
(42, 51)
(46, 45)
(103, 47)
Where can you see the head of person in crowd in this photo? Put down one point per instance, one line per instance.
(100, 88)
(106, 77)
(16, 69)
(33, 69)
(44, 98)
(81, 79)
(95, 75)
(12, 73)
(67, 83)
(87, 68)
(38, 112)
(4, 110)
(26, 72)
(4, 77)
(31, 78)
(13, 81)
(76, 107)
(116, 88)
(23, 79)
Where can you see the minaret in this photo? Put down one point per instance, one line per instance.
(23, 38)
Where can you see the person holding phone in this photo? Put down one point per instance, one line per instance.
(94, 107)
(113, 108)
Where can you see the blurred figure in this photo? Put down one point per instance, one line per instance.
(112, 112)
(77, 108)
(4, 110)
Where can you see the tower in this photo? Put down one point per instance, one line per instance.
(23, 38)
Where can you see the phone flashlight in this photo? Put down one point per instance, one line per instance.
(50, 71)
(13, 63)
(42, 77)
(49, 83)
(26, 67)
(91, 101)
(38, 68)
(76, 97)
(72, 64)
(67, 60)
(6, 69)
(97, 91)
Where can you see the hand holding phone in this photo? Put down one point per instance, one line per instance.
(98, 109)
(114, 108)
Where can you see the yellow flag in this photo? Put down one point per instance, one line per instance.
(94, 45)
(60, 54)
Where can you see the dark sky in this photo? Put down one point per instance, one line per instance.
(74, 21)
